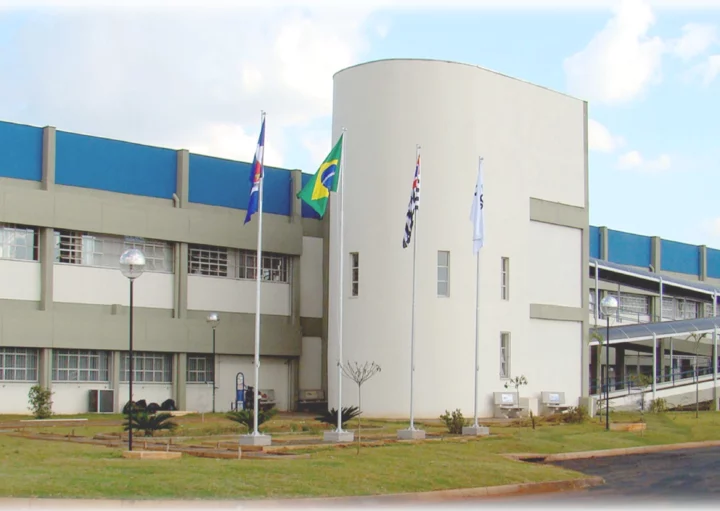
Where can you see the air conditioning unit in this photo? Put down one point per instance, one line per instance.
(102, 401)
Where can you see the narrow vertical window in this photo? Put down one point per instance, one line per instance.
(355, 273)
(505, 278)
(504, 355)
(443, 273)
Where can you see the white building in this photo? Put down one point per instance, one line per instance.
(70, 204)
(533, 265)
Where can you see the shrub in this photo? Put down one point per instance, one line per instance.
(149, 423)
(330, 417)
(454, 422)
(576, 415)
(659, 405)
(247, 416)
(40, 399)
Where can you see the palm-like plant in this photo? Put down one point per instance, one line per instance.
(330, 417)
(246, 417)
(149, 423)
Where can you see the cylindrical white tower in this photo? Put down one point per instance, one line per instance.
(533, 142)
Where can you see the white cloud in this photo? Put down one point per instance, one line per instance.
(182, 78)
(696, 39)
(633, 160)
(232, 142)
(318, 144)
(600, 139)
(621, 60)
(708, 70)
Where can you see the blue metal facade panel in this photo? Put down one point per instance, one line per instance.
(115, 166)
(680, 257)
(21, 151)
(630, 249)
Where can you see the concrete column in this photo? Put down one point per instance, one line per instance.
(180, 380)
(182, 189)
(620, 366)
(593, 368)
(599, 366)
(181, 281)
(655, 253)
(296, 204)
(45, 367)
(48, 158)
(604, 244)
(702, 249)
(115, 357)
(663, 350)
(326, 299)
(46, 245)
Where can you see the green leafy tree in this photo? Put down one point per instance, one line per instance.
(40, 399)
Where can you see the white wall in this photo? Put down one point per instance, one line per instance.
(273, 375)
(311, 363)
(550, 257)
(105, 286)
(531, 140)
(311, 278)
(230, 295)
(71, 398)
(15, 397)
(198, 397)
(20, 280)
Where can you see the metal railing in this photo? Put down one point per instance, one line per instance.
(676, 378)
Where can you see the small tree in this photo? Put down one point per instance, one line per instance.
(360, 374)
(40, 399)
(454, 422)
(516, 382)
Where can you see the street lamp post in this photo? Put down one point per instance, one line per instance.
(213, 319)
(132, 265)
(608, 305)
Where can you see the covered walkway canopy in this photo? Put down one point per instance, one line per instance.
(650, 281)
(644, 331)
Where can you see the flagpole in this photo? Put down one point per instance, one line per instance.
(477, 334)
(341, 185)
(412, 324)
(258, 277)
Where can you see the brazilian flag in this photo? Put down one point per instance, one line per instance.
(317, 191)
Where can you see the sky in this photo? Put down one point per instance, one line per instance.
(181, 75)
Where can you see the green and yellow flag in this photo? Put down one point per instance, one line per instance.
(317, 191)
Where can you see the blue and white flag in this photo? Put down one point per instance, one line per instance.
(256, 175)
(477, 216)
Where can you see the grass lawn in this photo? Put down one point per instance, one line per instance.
(56, 469)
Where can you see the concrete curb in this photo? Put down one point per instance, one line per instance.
(440, 495)
(397, 498)
(647, 449)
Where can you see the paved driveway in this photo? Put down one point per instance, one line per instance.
(677, 477)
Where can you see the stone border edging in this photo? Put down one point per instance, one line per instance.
(441, 495)
(624, 451)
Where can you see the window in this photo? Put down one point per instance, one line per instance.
(200, 369)
(18, 364)
(148, 367)
(504, 355)
(206, 260)
(237, 264)
(443, 273)
(505, 278)
(708, 310)
(18, 242)
(104, 251)
(80, 366)
(355, 273)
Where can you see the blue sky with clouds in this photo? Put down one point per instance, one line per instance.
(198, 78)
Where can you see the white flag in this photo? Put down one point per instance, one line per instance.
(477, 216)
